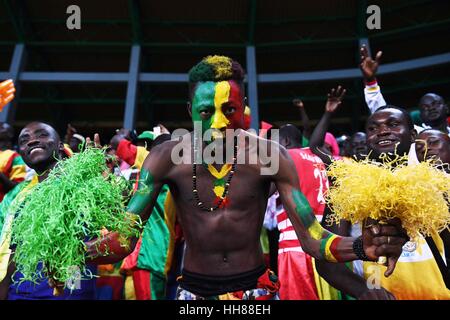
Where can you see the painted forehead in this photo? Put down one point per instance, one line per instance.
(206, 93)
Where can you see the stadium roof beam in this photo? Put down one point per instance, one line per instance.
(354, 72)
(132, 88)
(133, 6)
(252, 76)
(149, 77)
(15, 22)
(156, 101)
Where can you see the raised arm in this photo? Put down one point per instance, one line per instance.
(152, 177)
(369, 67)
(378, 240)
(304, 116)
(318, 136)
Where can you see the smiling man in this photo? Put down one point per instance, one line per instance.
(390, 131)
(221, 207)
(41, 148)
(434, 144)
(434, 112)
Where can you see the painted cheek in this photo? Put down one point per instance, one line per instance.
(221, 97)
(237, 119)
(204, 95)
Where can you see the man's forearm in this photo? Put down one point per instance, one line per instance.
(372, 94)
(342, 278)
(305, 123)
(7, 184)
(324, 245)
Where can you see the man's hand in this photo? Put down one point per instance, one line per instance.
(109, 248)
(384, 240)
(298, 103)
(96, 143)
(334, 99)
(163, 129)
(7, 90)
(369, 66)
(376, 294)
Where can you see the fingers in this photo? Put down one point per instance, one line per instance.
(10, 90)
(390, 240)
(338, 93)
(7, 99)
(391, 266)
(387, 228)
(6, 83)
(97, 141)
(378, 56)
(364, 52)
(389, 250)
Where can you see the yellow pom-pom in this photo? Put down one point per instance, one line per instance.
(416, 194)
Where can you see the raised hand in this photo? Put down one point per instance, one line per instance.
(369, 66)
(96, 143)
(7, 90)
(298, 103)
(163, 129)
(334, 99)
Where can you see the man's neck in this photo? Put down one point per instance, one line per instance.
(43, 172)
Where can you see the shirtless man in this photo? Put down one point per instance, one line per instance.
(223, 257)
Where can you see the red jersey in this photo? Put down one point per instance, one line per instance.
(313, 177)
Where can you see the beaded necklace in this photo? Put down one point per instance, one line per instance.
(219, 185)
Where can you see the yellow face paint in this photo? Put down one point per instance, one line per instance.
(222, 94)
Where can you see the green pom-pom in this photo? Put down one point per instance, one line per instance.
(71, 206)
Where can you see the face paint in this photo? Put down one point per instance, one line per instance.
(203, 104)
(218, 105)
(221, 97)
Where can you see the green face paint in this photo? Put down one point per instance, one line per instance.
(203, 101)
(142, 197)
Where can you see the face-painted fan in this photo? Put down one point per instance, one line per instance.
(6, 93)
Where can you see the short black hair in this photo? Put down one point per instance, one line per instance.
(405, 112)
(292, 132)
